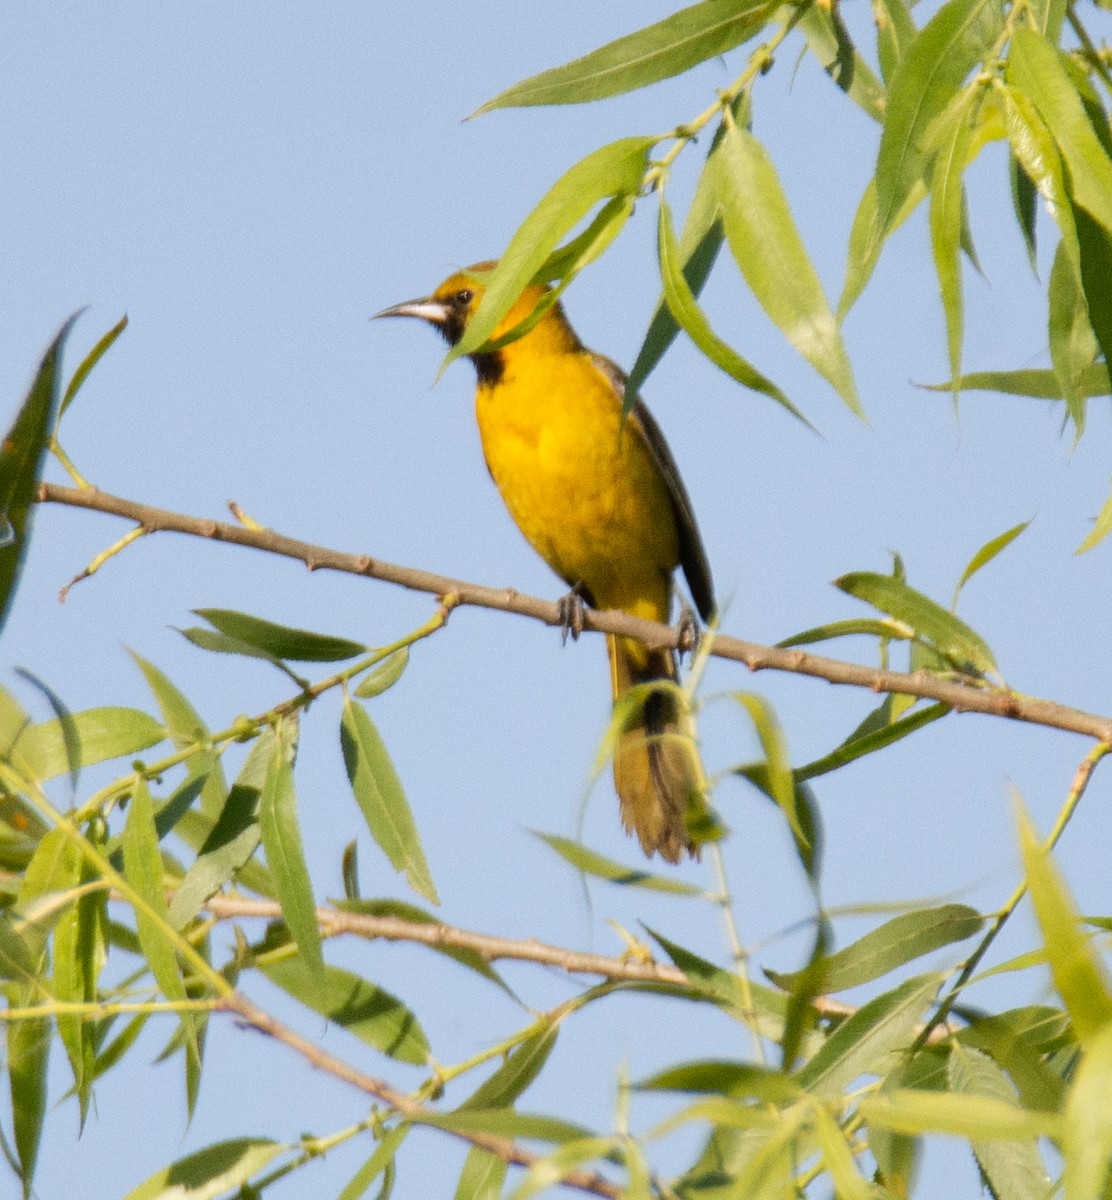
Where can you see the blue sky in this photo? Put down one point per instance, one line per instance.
(249, 184)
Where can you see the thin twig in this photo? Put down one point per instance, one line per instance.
(962, 697)
(505, 1148)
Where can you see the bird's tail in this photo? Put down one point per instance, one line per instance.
(657, 769)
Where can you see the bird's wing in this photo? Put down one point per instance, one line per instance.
(693, 557)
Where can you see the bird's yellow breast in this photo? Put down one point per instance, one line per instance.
(583, 488)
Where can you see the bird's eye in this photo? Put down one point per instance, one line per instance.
(465, 296)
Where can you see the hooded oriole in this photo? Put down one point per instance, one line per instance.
(602, 502)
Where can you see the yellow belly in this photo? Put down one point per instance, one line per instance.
(584, 490)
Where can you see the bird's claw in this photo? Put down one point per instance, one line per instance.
(572, 620)
(687, 632)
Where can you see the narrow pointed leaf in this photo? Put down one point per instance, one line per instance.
(935, 624)
(837, 629)
(868, 743)
(369, 1012)
(896, 942)
(895, 31)
(21, 456)
(1025, 199)
(380, 1160)
(1034, 382)
(1087, 1146)
(866, 240)
(1102, 526)
(143, 870)
(829, 41)
(593, 863)
(100, 733)
(1012, 1168)
(505, 1122)
(1094, 243)
(380, 796)
(863, 1043)
(1073, 345)
(696, 252)
(912, 1111)
(771, 256)
(935, 66)
(300, 645)
(103, 345)
(659, 51)
(28, 1050)
(1079, 975)
(612, 170)
(781, 785)
(482, 1176)
(281, 837)
(838, 1158)
(384, 675)
(1037, 69)
(986, 554)
(212, 1172)
(523, 1064)
(690, 317)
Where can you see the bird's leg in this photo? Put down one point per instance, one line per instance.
(687, 630)
(571, 614)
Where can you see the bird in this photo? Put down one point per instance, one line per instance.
(598, 495)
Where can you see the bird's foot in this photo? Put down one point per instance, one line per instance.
(570, 609)
(687, 631)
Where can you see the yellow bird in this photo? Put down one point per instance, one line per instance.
(602, 502)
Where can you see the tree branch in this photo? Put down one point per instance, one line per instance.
(505, 1148)
(962, 697)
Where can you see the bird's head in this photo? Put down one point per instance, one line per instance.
(450, 307)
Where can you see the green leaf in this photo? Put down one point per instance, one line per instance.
(1095, 253)
(234, 838)
(143, 870)
(612, 170)
(986, 554)
(1025, 201)
(71, 738)
(370, 1013)
(954, 153)
(209, 1173)
(690, 317)
(1038, 69)
(506, 1123)
(1033, 382)
(285, 856)
(857, 746)
(592, 863)
(838, 1158)
(101, 734)
(898, 941)
(380, 1160)
(778, 770)
(21, 456)
(1079, 975)
(1073, 345)
(482, 1176)
(384, 675)
(185, 727)
(895, 32)
(930, 621)
(280, 640)
(697, 251)
(1012, 1168)
(936, 65)
(830, 43)
(1102, 526)
(28, 1052)
(1087, 1139)
(550, 1170)
(659, 51)
(523, 1064)
(725, 1078)
(864, 1041)
(866, 240)
(90, 360)
(771, 256)
(837, 629)
(380, 796)
(909, 1111)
